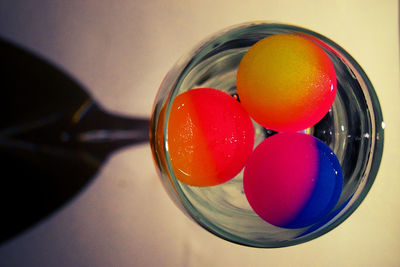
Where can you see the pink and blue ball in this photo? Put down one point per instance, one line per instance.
(292, 180)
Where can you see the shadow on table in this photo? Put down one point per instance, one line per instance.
(53, 138)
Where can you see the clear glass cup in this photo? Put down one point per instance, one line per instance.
(353, 129)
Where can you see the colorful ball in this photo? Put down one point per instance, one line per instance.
(286, 82)
(292, 180)
(210, 136)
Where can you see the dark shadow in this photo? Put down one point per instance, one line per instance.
(53, 138)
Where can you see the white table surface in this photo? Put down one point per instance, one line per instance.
(120, 51)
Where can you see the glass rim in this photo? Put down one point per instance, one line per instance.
(186, 62)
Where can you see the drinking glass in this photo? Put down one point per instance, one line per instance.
(353, 129)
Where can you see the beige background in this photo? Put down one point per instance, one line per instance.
(121, 50)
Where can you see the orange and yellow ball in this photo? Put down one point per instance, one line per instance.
(286, 82)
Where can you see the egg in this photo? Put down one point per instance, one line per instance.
(209, 137)
(286, 82)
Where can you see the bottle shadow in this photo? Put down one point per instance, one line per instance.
(53, 138)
